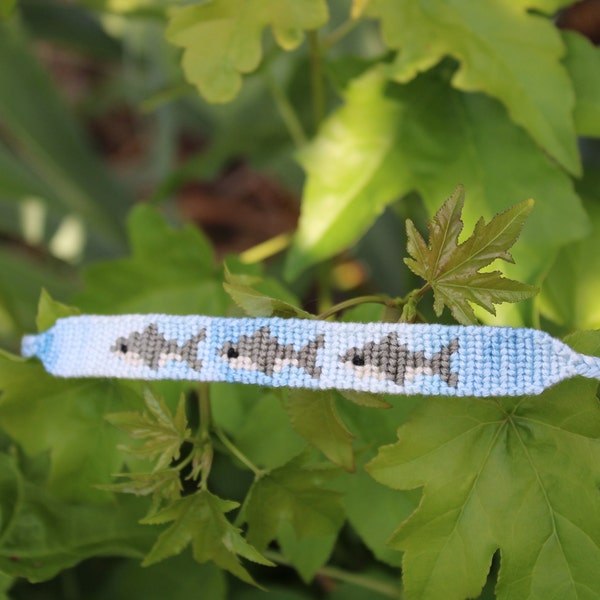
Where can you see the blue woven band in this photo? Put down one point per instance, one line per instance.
(393, 358)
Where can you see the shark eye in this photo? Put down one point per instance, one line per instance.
(232, 353)
(358, 360)
(123, 348)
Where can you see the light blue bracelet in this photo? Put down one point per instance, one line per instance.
(393, 358)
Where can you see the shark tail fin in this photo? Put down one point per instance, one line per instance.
(448, 376)
(190, 350)
(308, 356)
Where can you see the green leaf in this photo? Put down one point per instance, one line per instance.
(452, 269)
(258, 304)
(361, 493)
(365, 399)
(375, 527)
(519, 474)
(294, 494)
(255, 304)
(49, 310)
(165, 483)
(498, 47)
(583, 63)
(6, 582)
(65, 417)
(246, 412)
(42, 535)
(275, 591)
(389, 139)
(546, 6)
(570, 292)
(222, 39)
(315, 417)
(142, 8)
(162, 432)
(199, 519)
(7, 8)
(306, 554)
(177, 578)
(170, 271)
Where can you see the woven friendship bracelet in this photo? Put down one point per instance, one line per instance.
(394, 358)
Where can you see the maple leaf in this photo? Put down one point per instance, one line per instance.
(222, 38)
(199, 519)
(163, 432)
(519, 474)
(452, 270)
(372, 151)
(489, 39)
(270, 301)
(314, 416)
(293, 494)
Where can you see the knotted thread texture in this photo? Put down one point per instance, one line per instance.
(376, 357)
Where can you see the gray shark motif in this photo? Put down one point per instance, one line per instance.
(263, 352)
(153, 349)
(394, 361)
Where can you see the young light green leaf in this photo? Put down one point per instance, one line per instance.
(570, 292)
(165, 483)
(163, 433)
(519, 474)
(262, 297)
(497, 49)
(50, 310)
(583, 63)
(373, 151)
(222, 38)
(314, 416)
(199, 519)
(294, 494)
(549, 7)
(255, 304)
(452, 269)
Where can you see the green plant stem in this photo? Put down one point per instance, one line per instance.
(339, 33)
(363, 581)
(235, 451)
(316, 78)
(409, 304)
(286, 110)
(324, 297)
(266, 249)
(356, 301)
(165, 96)
(411, 299)
(204, 406)
(204, 433)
